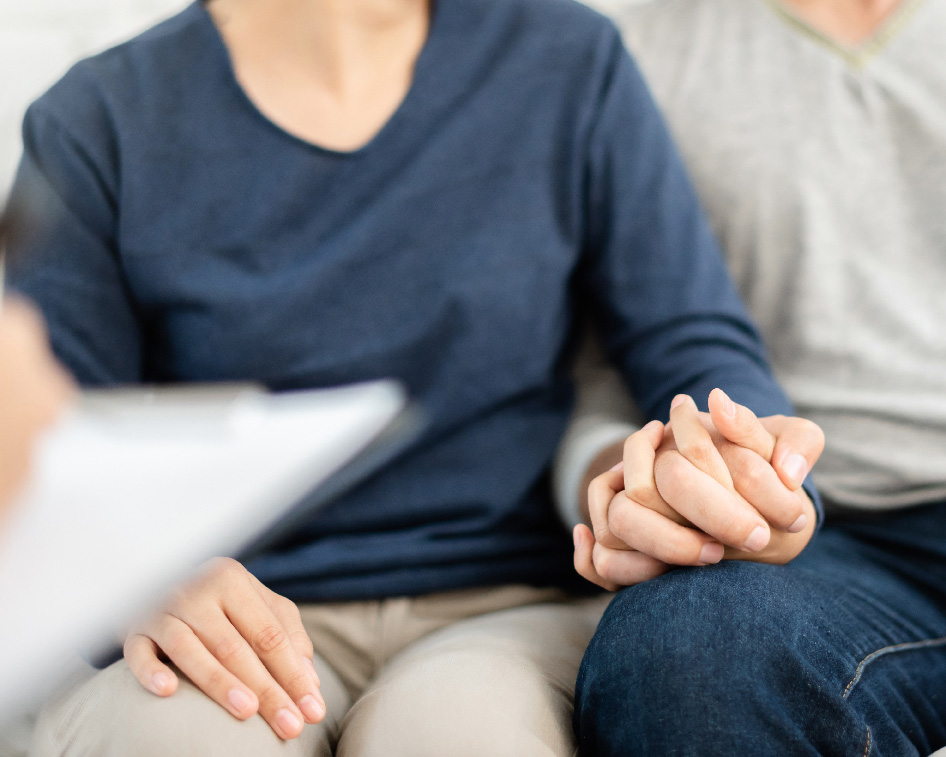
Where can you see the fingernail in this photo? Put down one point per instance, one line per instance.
(757, 539)
(711, 553)
(617, 466)
(796, 467)
(288, 723)
(160, 681)
(729, 407)
(311, 708)
(239, 700)
(679, 399)
(799, 524)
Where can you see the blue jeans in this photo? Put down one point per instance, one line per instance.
(841, 652)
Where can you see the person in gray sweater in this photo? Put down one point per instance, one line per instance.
(815, 132)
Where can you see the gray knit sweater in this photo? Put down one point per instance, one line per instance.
(823, 169)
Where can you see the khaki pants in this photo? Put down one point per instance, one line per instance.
(478, 672)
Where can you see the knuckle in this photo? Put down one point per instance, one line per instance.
(229, 650)
(602, 533)
(641, 490)
(216, 681)
(736, 457)
(735, 527)
(602, 523)
(604, 564)
(670, 472)
(135, 647)
(597, 484)
(272, 696)
(619, 505)
(222, 575)
(685, 552)
(271, 638)
(663, 465)
(673, 549)
(732, 526)
(299, 681)
(673, 555)
(621, 522)
(164, 625)
(751, 470)
(697, 450)
(176, 644)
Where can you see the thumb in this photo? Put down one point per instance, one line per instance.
(739, 425)
(799, 444)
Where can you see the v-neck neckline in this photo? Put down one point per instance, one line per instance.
(422, 68)
(859, 54)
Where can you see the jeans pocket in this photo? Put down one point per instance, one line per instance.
(907, 646)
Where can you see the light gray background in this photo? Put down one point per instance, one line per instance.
(40, 39)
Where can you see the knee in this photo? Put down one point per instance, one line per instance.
(693, 644)
(113, 715)
(461, 703)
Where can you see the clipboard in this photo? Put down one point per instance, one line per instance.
(134, 489)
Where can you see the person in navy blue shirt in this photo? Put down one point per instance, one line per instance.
(307, 193)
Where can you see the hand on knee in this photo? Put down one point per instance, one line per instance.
(238, 642)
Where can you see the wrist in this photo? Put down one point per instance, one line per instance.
(584, 455)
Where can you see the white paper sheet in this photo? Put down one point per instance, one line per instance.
(131, 491)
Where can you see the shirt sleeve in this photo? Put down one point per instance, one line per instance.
(64, 254)
(667, 312)
(603, 415)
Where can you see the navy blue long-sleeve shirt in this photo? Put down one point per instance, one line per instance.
(526, 178)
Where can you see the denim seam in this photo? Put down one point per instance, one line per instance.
(867, 748)
(887, 650)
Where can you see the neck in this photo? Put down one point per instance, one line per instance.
(339, 42)
(847, 21)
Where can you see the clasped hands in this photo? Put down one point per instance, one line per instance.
(703, 488)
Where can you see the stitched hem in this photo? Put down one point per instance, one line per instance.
(907, 646)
